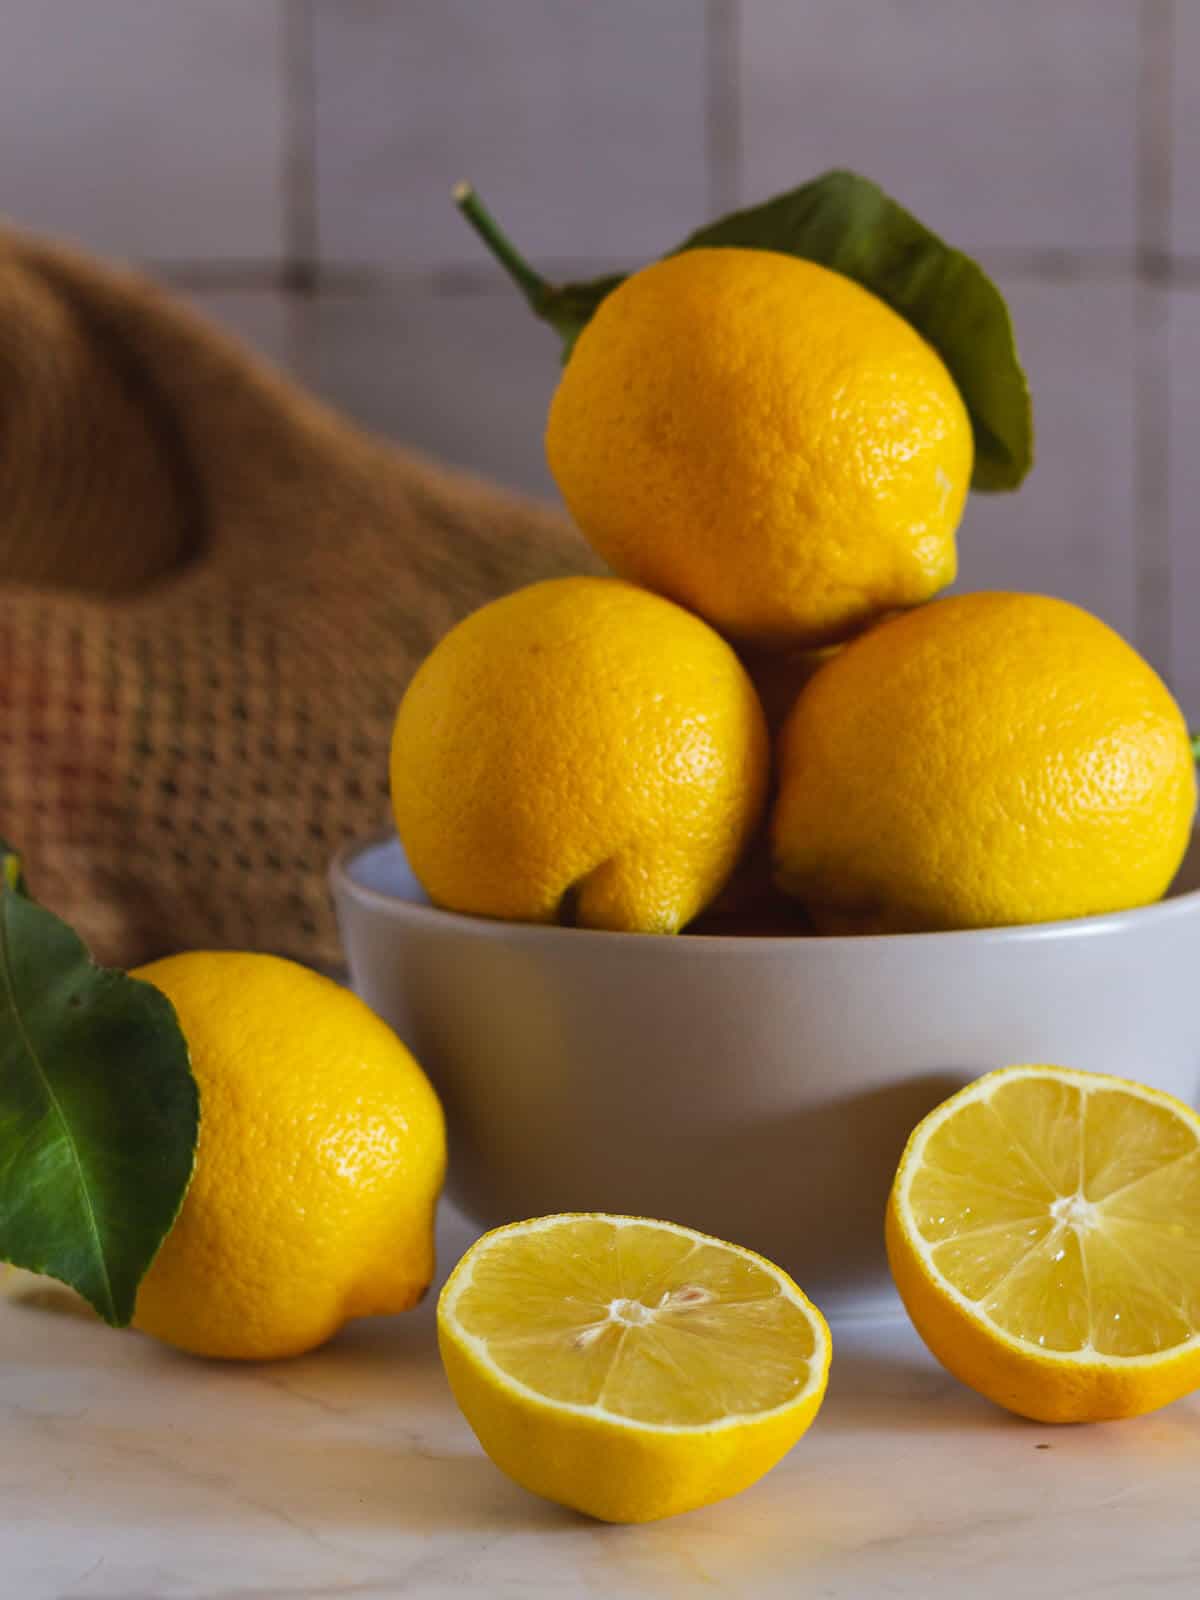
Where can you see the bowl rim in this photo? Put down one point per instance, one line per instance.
(1104, 924)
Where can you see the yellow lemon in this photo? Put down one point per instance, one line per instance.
(764, 441)
(320, 1160)
(1044, 1234)
(988, 759)
(579, 750)
(629, 1369)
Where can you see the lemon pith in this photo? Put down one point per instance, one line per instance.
(630, 1369)
(1044, 1233)
(764, 441)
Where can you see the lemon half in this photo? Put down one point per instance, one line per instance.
(1044, 1234)
(627, 1368)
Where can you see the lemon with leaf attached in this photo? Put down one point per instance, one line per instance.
(320, 1160)
(764, 441)
(777, 424)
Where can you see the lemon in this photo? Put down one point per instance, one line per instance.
(320, 1160)
(627, 1368)
(988, 759)
(1044, 1234)
(579, 750)
(764, 441)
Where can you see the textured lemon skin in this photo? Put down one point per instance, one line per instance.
(615, 1472)
(764, 441)
(321, 1157)
(1033, 1383)
(582, 737)
(988, 760)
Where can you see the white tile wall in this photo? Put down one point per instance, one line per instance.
(1008, 125)
(1071, 527)
(269, 320)
(1041, 132)
(1185, 119)
(1184, 492)
(466, 377)
(582, 125)
(143, 128)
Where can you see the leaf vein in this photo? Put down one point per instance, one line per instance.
(57, 1110)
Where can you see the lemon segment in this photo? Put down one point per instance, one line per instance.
(1044, 1233)
(630, 1369)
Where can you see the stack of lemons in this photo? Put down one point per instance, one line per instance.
(776, 462)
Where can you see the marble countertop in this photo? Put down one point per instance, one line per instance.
(128, 1472)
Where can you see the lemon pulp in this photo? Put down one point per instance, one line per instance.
(640, 1321)
(1068, 1214)
(1044, 1234)
(631, 1369)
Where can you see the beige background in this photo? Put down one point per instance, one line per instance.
(287, 162)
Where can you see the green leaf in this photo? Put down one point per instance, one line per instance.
(99, 1111)
(847, 223)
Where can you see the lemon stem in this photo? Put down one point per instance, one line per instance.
(531, 284)
(1195, 738)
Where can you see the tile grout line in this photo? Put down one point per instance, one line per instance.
(301, 240)
(722, 105)
(1041, 266)
(1152, 510)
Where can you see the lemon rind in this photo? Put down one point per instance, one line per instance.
(461, 1277)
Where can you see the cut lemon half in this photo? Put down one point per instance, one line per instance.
(1044, 1234)
(629, 1369)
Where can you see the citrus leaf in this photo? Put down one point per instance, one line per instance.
(99, 1112)
(845, 222)
(848, 224)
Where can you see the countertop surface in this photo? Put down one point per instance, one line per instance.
(128, 1472)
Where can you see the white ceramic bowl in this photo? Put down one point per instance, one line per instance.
(760, 1088)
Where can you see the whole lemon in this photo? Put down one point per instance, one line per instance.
(579, 750)
(765, 442)
(989, 759)
(321, 1157)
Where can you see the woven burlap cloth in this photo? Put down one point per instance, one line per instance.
(213, 591)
